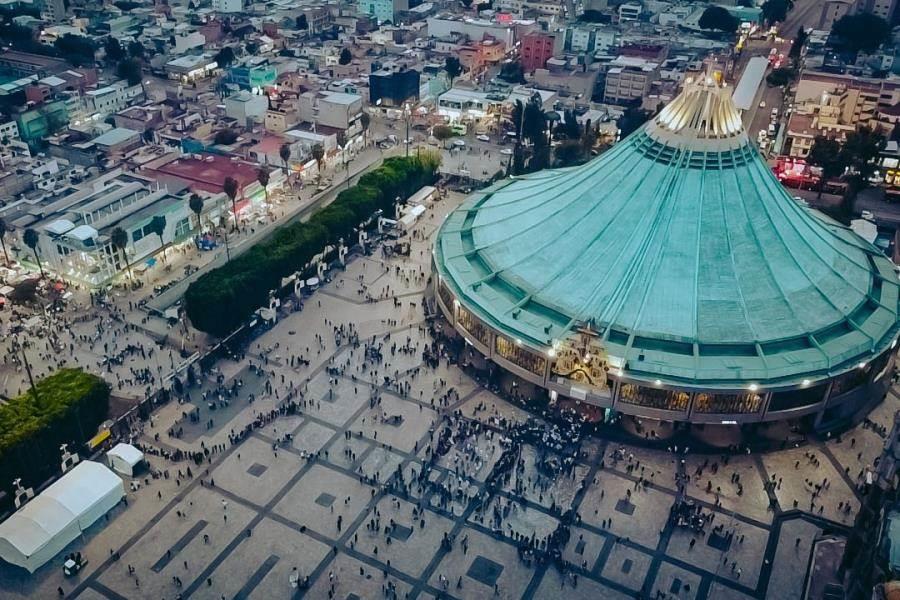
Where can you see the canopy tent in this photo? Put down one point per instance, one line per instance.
(124, 459)
(48, 523)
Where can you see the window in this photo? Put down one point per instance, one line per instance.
(183, 228)
(727, 403)
(654, 397)
(520, 356)
(476, 328)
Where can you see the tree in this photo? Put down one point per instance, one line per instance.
(453, 68)
(633, 117)
(861, 32)
(716, 17)
(346, 57)
(442, 133)
(4, 228)
(230, 186)
(512, 72)
(30, 237)
(225, 56)
(859, 152)
(114, 50)
(158, 226)
(130, 70)
(225, 137)
(119, 239)
(571, 128)
(825, 153)
(569, 152)
(262, 176)
(365, 120)
(136, 49)
(776, 10)
(77, 49)
(797, 44)
(285, 153)
(781, 76)
(302, 22)
(318, 153)
(195, 203)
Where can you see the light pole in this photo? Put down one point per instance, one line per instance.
(407, 113)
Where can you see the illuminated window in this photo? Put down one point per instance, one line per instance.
(654, 397)
(473, 326)
(519, 356)
(727, 403)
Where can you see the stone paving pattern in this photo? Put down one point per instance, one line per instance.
(274, 508)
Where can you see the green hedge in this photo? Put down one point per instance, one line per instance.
(69, 407)
(219, 301)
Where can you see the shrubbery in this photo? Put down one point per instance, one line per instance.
(69, 407)
(219, 301)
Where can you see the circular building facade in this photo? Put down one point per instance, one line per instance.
(672, 277)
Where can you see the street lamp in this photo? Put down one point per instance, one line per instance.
(407, 113)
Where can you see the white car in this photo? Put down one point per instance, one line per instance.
(459, 143)
(483, 138)
(506, 151)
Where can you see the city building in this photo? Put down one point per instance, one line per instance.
(54, 11)
(111, 98)
(141, 118)
(191, 68)
(536, 50)
(575, 81)
(382, 10)
(834, 105)
(207, 173)
(252, 76)
(672, 278)
(446, 26)
(630, 11)
(24, 63)
(393, 87)
(629, 79)
(228, 6)
(74, 230)
(880, 8)
(36, 123)
(246, 107)
(332, 109)
(832, 11)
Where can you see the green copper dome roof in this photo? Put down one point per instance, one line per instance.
(682, 249)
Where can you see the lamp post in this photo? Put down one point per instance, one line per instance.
(407, 113)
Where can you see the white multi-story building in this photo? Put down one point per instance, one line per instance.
(111, 98)
(630, 11)
(74, 231)
(228, 6)
(244, 105)
(9, 131)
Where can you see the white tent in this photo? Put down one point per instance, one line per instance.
(124, 458)
(58, 515)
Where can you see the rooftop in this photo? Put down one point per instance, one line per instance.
(681, 248)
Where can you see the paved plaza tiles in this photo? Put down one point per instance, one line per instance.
(267, 510)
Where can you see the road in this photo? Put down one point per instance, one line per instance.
(370, 158)
(806, 13)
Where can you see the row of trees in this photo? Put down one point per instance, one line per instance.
(854, 161)
(219, 301)
(77, 49)
(66, 407)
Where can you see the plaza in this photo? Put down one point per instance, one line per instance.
(372, 471)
